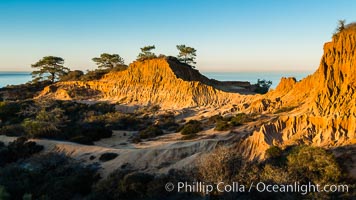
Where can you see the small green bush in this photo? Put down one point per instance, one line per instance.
(18, 149)
(274, 174)
(9, 111)
(102, 107)
(12, 130)
(214, 119)
(81, 139)
(226, 123)
(274, 152)
(222, 126)
(24, 91)
(38, 129)
(117, 120)
(47, 123)
(72, 76)
(221, 164)
(150, 132)
(276, 156)
(3, 193)
(94, 74)
(240, 119)
(127, 184)
(167, 122)
(262, 86)
(306, 163)
(48, 176)
(192, 127)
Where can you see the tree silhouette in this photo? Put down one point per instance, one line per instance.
(108, 61)
(341, 25)
(146, 53)
(187, 54)
(50, 67)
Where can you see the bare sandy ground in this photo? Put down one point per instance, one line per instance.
(162, 153)
(156, 155)
(159, 154)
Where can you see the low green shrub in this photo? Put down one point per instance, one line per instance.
(127, 184)
(214, 119)
(72, 76)
(314, 164)
(167, 122)
(18, 149)
(81, 139)
(262, 86)
(240, 119)
(24, 91)
(47, 123)
(12, 130)
(274, 152)
(226, 123)
(191, 127)
(150, 132)
(9, 111)
(95, 131)
(3, 193)
(222, 126)
(117, 120)
(48, 176)
(94, 75)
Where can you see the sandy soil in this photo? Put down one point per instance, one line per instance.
(155, 155)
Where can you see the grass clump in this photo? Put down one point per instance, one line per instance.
(150, 132)
(226, 123)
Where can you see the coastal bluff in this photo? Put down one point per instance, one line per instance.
(319, 110)
(162, 81)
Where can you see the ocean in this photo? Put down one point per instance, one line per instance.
(14, 78)
(274, 76)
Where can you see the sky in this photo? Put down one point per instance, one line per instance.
(229, 35)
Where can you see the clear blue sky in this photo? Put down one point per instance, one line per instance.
(228, 35)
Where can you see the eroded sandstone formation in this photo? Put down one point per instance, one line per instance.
(321, 109)
(318, 110)
(160, 81)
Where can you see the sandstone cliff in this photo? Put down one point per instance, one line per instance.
(320, 109)
(161, 81)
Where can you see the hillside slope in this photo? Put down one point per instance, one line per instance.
(318, 110)
(161, 81)
(322, 106)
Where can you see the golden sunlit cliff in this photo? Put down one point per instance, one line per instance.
(162, 81)
(319, 110)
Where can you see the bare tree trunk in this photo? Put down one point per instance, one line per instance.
(53, 77)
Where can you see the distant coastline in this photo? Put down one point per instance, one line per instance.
(20, 77)
(252, 76)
